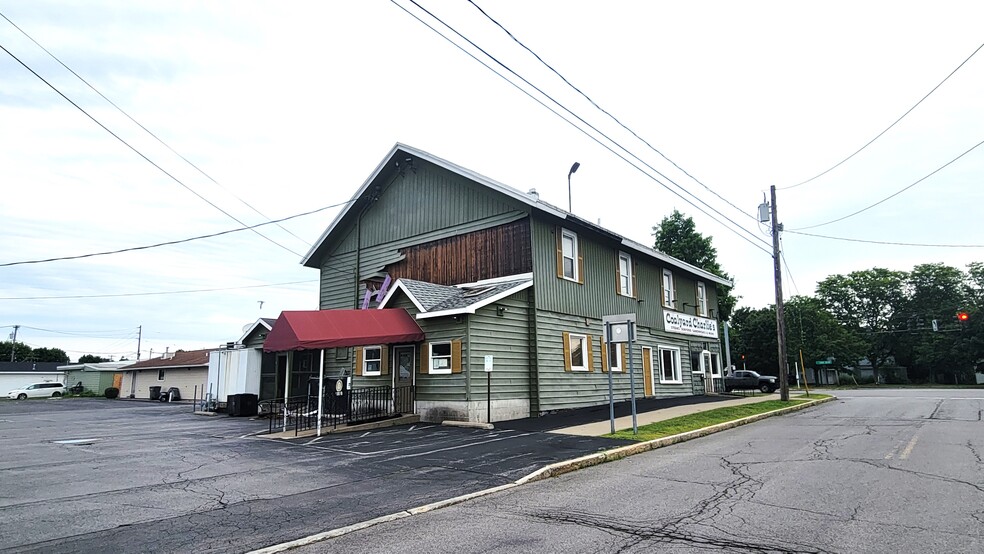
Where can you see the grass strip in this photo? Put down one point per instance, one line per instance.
(700, 420)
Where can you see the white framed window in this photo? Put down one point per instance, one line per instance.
(625, 274)
(615, 356)
(669, 295)
(160, 374)
(440, 357)
(568, 244)
(669, 366)
(701, 299)
(715, 364)
(372, 360)
(578, 345)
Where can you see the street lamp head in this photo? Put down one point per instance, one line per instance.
(573, 169)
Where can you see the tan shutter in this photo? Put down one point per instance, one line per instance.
(384, 359)
(567, 351)
(580, 263)
(635, 289)
(618, 275)
(625, 358)
(456, 356)
(590, 357)
(425, 358)
(358, 360)
(604, 357)
(560, 251)
(647, 371)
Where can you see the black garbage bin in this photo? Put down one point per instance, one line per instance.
(242, 405)
(155, 393)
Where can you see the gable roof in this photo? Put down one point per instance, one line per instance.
(441, 300)
(538, 205)
(96, 366)
(263, 322)
(179, 359)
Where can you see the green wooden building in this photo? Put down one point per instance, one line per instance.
(495, 277)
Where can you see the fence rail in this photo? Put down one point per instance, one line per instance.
(363, 405)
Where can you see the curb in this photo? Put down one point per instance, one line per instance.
(468, 424)
(552, 470)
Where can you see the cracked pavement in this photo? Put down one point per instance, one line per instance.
(158, 479)
(876, 471)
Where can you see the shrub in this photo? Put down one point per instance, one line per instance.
(112, 392)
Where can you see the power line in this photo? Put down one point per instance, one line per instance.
(856, 152)
(139, 153)
(590, 136)
(789, 273)
(172, 242)
(148, 131)
(893, 195)
(604, 111)
(130, 332)
(886, 242)
(159, 293)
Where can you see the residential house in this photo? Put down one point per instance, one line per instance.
(185, 369)
(498, 279)
(95, 377)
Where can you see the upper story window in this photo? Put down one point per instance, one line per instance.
(701, 300)
(569, 266)
(669, 292)
(625, 275)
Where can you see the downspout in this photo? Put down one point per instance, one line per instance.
(466, 361)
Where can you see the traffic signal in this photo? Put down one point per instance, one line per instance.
(962, 317)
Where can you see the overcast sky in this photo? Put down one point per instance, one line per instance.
(287, 107)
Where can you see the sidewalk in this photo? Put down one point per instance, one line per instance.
(599, 428)
(595, 420)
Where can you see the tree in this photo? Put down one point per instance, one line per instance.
(49, 355)
(91, 359)
(809, 328)
(22, 352)
(935, 292)
(866, 303)
(677, 236)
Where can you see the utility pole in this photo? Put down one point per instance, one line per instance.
(780, 308)
(13, 342)
(139, 336)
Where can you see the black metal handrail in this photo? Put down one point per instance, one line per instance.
(355, 406)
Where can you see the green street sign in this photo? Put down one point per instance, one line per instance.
(824, 362)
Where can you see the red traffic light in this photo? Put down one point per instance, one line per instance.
(962, 316)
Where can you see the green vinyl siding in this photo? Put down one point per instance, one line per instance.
(506, 338)
(92, 381)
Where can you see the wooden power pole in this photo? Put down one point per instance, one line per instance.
(780, 308)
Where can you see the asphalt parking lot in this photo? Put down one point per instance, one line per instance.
(149, 477)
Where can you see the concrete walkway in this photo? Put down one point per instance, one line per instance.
(598, 428)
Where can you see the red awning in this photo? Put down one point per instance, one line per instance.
(314, 330)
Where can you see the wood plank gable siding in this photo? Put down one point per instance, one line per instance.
(484, 254)
(419, 207)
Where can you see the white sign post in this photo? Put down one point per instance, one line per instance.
(488, 384)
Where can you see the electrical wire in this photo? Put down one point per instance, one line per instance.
(130, 332)
(856, 152)
(148, 131)
(158, 293)
(893, 195)
(172, 242)
(604, 111)
(595, 139)
(887, 243)
(137, 152)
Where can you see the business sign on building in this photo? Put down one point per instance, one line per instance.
(685, 324)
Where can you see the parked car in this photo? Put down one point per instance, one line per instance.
(37, 390)
(749, 380)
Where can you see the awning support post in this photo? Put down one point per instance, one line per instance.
(321, 389)
(290, 360)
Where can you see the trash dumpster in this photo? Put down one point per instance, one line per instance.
(155, 393)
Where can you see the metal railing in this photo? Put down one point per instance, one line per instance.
(364, 405)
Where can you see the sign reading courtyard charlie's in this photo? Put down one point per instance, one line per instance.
(685, 324)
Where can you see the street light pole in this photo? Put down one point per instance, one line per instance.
(571, 172)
